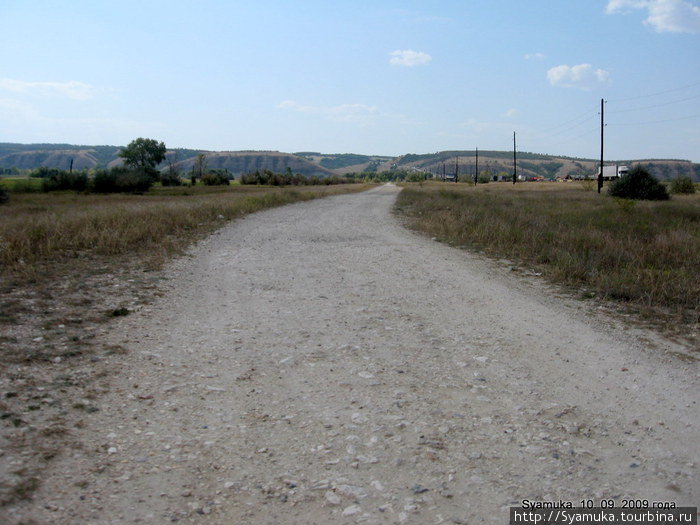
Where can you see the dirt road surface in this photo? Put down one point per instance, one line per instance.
(318, 363)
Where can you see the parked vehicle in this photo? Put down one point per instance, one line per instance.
(613, 172)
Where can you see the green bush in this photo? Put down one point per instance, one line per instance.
(682, 185)
(104, 181)
(122, 180)
(639, 184)
(170, 179)
(42, 172)
(65, 180)
(268, 178)
(415, 177)
(4, 196)
(214, 179)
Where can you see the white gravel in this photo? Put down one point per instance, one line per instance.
(318, 363)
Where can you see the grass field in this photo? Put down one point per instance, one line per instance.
(645, 254)
(40, 229)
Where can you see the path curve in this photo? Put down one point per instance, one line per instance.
(318, 363)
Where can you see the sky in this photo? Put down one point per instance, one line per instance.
(369, 77)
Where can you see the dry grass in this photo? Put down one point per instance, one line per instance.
(645, 254)
(40, 229)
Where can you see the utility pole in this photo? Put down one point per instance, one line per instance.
(602, 137)
(476, 171)
(515, 165)
(457, 168)
(71, 165)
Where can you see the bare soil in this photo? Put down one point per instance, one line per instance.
(319, 363)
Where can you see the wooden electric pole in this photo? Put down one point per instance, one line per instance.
(602, 137)
(515, 165)
(457, 168)
(476, 171)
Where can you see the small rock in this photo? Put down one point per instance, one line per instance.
(351, 491)
(322, 484)
(352, 510)
(358, 418)
(332, 498)
(419, 489)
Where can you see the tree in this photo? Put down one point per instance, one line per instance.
(143, 154)
(200, 165)
(172, 176)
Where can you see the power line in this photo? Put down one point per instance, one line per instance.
(588, 119)
(571, 139)
(582, 115)
(655, 121)
(655, 94)
(655, 105)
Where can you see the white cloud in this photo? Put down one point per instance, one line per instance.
(534, 56)
(665, 16)
(358, 113)
(289, 104)
(512, 112)
(73, 90)
(409, 58)
(581, 76)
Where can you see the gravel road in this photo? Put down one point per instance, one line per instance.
(318, 363)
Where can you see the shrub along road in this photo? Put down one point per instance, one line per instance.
(318, 363)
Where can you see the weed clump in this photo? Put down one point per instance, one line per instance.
(639, 184)
(682, 185)
(4, 196)
(119, 312)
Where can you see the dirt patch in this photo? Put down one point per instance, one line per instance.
(52, 368)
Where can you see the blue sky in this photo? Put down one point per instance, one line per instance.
(372, 77)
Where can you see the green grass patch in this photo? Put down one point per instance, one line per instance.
(642, 253)
(21, 184)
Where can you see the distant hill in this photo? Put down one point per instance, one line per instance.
(535, 164)
(240, 162)
(343, 163)
(30, 156)
(310, 163)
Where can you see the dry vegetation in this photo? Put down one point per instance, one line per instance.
(70, 263)
(642, 254)
(44, 228)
